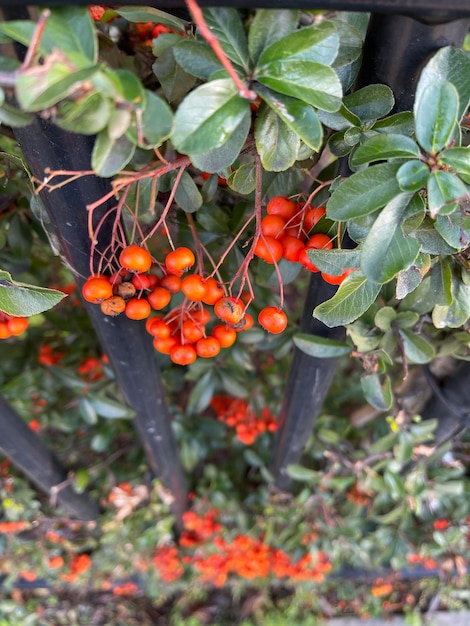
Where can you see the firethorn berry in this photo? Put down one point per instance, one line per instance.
(4, 331)
(135, 258)
(113, 306)
(159, 298)
(313, 216)
(159, 328)
(319, 241)
(336, 280)
(96, 289)
(282, 206)
(229, 309)
(201, 316)
(268, 249)
(141, 281)
(171, 282)
(207, 347)
(164, 345)
(214, 291)
(152, 280)
(272, 319)
(17, 325)
(183, 354)
(291, 248)
(225, 335)
(304, 260)
(192, 332)
(179, 260)
(194, 287)
(159, 29)
(138, 309)
(125, 290)
(272, 225)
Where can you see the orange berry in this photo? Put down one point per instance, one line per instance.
(138, 309)
(245, 323)
(319, 241)
(194, 287)
(304, 260)
(159, 298)
(183, 354)
(207, 347)
(272, 225)
(192, 331)
(179, 260)
(268, 249)
(336, 280)
(313, 216)
(17, 325)
(272, 319)
(113, 306)
(96, 289)
(201, 316)
(164, 345)
(291, 248)
(282, 206)
(214, 291)
(141, 281)
(4, 331)
(171, 282)
(229, 309)
(225, 335)
(135, 258)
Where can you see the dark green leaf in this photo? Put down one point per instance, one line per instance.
(364, 192)
(175, 81)
(208, 116)
(299, 117)
(378, 394)
(370, 102)
(458, 312)
(226, 25)
(430, 240)
(149, 14)
(454, 229)
(401, 123)
(350, 43)
(311, 82)
(276, 143)
(318, 44)
(352, 136)
(444, 192)
(156, 123)
(87, 116)
(269, 26)
(436, 115)
(413, 175)
(334, 261)
(417, 349)
(441, 282)
(337, 144)
(187, 195)
(110, 156)
(201, 394)
(129, 87)
(24, 300)
(354, 296)
(298, 472)
(321, 347)
(458, 159)
(196, 58)
(384, 146)
(341, 120)
(243, 179)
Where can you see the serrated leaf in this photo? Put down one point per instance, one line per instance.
(268, 27)
(139, 14)
(386, 251)
(364, 192)
(334, 261)
(208, 116)
(378, 394)
(413, 175)
(321, 347)
(24, 300)
(187, 195)
(298, 116)
(384, 146)
(354, 296)
(417, 349)
(436, 115)
(311, 82)
(370, 102)
(318, 43)
(110, 156)
(276, 143)
(196, 58)
(226, 25)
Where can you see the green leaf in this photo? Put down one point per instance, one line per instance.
(430, 240)
(384, 146)
(9, 116)
(364, 192)
(350, 43)
(417, 349)
(196, 58)
(187, 195)
(352, 136)
(269, 26)
(110, 409)
(334, 261)
(156, 123)
(276, 143)
(458, 312)
(220, 158)
(378, 394)
(400, 123)
(454, 229)
(110, 156)
(436, 115)
(175, 81)
(448, 64)
(370, 102)
(208, 116)
(354, 296)
(338, 145)
(441, 282)
(311, 82)
(458, 159)
(444, 192)
(87, 116)
(129, 87)
(385, 317)
(386, 251)
(318, 44)
(321, 347)
(243, 179)
(81, 479)
(304, 474)
(341, 120)
(201, 394)
(226, 25)
(298, 116)
(149, 14)
(87, 411)
(413, 175)
(24, 300)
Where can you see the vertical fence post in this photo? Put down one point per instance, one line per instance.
(395, 51)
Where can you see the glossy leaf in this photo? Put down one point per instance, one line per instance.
(276, 143)
(110, 156)
(458, 159)
(226, 25)
(311, 82)
(318, 43)
(378, 394)
(268, 27)
(436, 116)
(350, 43)
(187, 195)
(441, 282)
(454, 229)
(370, 102)
(384, 146)
(386, 251)
(156, 123)
(340, 120)
(298, 116)
(25, 300)
(413, 175)
(354, 296)
(417, 349)
(444, 191)
(321, 347)
(400, 123)
(364, 192)
(196, 58)
(208, 116)
(175, 81)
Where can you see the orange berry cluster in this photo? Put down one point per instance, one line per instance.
(285, 234)
(12, 326)
(236, 413)
(181, 333)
